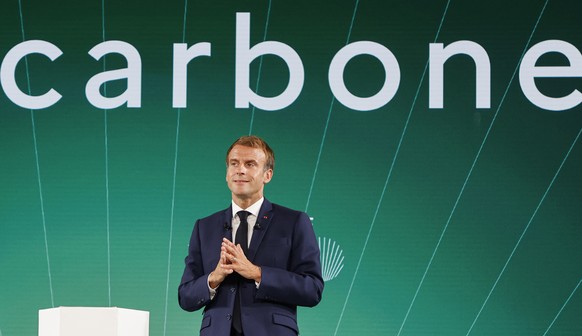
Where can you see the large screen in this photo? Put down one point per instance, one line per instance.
(435, 145)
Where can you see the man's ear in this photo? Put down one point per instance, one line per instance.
(268, 176)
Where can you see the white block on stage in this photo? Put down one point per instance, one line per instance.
(93, 321)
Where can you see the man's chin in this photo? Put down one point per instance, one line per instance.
(242, 194)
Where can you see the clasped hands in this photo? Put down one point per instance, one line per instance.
(233, 259)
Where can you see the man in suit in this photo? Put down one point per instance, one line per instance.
(252, 288)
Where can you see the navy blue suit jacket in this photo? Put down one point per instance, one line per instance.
(283, 244)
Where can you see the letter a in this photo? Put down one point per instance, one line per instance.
(131, 96)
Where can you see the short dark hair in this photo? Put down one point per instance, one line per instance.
(255, 142)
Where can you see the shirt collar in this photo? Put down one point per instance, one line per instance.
(253, 209)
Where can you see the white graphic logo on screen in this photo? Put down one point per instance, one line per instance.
(332, 260)
(331, 256)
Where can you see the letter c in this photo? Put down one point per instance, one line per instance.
(8, 78)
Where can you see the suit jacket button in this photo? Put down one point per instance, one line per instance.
(228, 317)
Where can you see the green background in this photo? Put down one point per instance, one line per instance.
(454, 221)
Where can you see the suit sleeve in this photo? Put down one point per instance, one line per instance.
(301, 283)
(193, 292)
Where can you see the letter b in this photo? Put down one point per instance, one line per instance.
(245, 55)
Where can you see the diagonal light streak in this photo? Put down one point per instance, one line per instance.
(329, 115)
(260, 68)
(40, 193)
(389, 175)
(524, 232)
(470, 172)
(563, 306)
(106, 145)
(177, 145)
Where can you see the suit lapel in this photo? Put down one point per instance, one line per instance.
(261, 227)
(227, 223)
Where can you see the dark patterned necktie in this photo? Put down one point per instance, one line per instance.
(242, 233)
(242, 239)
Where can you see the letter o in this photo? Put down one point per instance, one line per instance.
(336, 75)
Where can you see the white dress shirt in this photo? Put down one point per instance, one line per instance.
(235, 222)
(251, 219)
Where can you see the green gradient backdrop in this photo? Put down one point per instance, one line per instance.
(433, 244)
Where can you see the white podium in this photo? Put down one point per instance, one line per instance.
(87, 321)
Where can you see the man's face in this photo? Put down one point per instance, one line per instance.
(245, 173)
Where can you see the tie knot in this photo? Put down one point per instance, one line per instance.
(243, 215)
